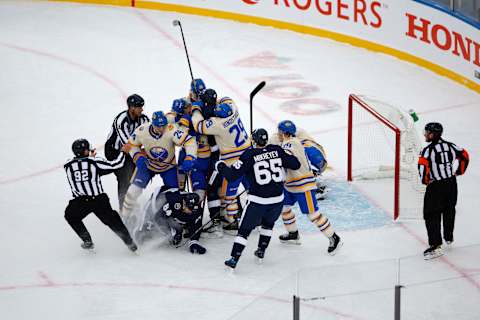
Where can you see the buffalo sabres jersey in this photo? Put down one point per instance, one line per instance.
(230, 134)
(160, 149)
(308, 141)
(302, 179)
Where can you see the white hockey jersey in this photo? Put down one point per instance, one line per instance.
(230, 134)
(302, 179)
(160, 149)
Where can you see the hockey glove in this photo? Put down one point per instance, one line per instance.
(188, 163)
(195, 247)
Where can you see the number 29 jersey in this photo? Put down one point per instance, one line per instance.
(264, 169)
(230, 134)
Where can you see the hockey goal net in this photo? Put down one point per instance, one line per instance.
(383, 148)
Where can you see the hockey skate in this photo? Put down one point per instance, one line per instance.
(290, 238)
(88, 245)
(132, 247)
(213, 230)
(259, 254)
(433, 252)
(335, 244)
(230, 228)
(231, 264)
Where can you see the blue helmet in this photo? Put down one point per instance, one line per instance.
(197, 86)
(287, 126)
(159, 119)
(179, 105)
(223, 110)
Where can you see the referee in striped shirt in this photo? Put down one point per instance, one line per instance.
(83, 175)
(438, 170)
(122, 128)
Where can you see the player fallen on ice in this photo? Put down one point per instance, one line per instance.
(172, 213)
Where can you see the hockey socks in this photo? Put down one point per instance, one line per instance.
(264, 239)
(322, 223)
(289, 220)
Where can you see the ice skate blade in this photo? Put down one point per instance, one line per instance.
(229, 270)
(339, 245)
(433, 256)
(258, 261)
(292, 242)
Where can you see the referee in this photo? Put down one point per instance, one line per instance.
(83, 175)
(437, 169)
(122, 128)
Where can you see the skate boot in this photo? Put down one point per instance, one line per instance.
(230, 228)
(335, 244)
(231, 263)
(291, 237)
(433, 252)
(132, 247)
(88, 245)
(259, 254)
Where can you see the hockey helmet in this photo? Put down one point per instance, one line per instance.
(135, 101)
(287, 126)
(79, 147)
(223, 111)
(192, 200)
(260, 137)
(434, 127)
(159, 119)
(209, 97)
(179, 105)
(197, 86)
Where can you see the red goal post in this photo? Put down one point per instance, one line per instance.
(354, 99)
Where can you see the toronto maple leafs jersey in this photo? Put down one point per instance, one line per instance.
(264, 169)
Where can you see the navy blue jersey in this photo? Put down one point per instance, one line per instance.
(264, 169)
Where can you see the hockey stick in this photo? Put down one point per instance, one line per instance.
(252, 95)
(178, 23)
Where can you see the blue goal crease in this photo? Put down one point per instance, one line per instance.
(346, 208)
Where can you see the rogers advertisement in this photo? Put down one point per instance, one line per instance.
(404, 26)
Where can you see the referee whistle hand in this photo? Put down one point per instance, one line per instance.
(93, 153)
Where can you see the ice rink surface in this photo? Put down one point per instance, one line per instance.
(66, 70)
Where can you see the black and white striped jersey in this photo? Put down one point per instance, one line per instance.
(122, 128)
(83, 174)
(437, 161)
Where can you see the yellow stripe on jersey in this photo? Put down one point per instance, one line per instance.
(311, 207)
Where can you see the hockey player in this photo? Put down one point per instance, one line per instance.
(222, 120)
(158, 140)
(83, 174)
(169, 211)
(315, 154)
(181, 115)
(300, 188)
(263, 167)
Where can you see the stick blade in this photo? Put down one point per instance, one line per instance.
(176, 22)
(257, 89)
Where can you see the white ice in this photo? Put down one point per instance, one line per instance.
(65, 72)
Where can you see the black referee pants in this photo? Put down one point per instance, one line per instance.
(124, 175)
(440, 201)
(79, 208)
